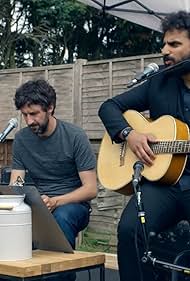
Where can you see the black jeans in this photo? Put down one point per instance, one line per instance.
(164, 206)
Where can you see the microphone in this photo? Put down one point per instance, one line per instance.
(13, 123)
(138, 167)
(149, 70)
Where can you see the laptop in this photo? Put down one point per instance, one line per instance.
(46, 233)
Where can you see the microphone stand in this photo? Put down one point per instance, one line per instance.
(147, 257)
(138, 192)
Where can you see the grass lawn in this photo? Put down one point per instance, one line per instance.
(96, 242)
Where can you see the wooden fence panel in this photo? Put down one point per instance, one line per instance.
(81, 88)
(62, 81)
(8, 84)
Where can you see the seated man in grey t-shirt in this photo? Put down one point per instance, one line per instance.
(57, 156)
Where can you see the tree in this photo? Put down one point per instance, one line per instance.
(9, 31)
(42, 32)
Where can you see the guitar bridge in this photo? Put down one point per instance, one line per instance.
(123, 148)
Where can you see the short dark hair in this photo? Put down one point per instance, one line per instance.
(36, 92)
(179, 20)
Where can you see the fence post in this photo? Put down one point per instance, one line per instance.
(77, 91)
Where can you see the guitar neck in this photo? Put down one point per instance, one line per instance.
(171, 147)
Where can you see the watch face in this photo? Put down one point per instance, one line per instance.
(126, 132)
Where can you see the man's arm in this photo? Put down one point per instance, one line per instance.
(111, 111)
(15, 174)
(86, 192)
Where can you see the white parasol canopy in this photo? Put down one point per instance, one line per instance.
(147, 13)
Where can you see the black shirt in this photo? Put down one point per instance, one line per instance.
(184, 181)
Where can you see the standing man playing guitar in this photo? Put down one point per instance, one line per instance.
(166, 93)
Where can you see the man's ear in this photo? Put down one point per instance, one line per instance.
(50, 109)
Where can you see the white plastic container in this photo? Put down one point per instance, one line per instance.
(15, 228)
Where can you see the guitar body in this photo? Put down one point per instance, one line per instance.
(115, 173)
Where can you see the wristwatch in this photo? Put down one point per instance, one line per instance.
(126, 132)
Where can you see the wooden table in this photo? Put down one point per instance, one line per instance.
(46, 263)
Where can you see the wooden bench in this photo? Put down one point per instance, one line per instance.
(45, 263)
(111, 261)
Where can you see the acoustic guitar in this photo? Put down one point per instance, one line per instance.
(115, 161)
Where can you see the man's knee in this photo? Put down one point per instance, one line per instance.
(64, 212)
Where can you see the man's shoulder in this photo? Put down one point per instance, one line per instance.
(70, 127)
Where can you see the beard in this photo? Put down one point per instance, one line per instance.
(168, 58)
(39, 129)
(178, 69)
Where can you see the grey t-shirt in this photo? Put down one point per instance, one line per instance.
(54, 162)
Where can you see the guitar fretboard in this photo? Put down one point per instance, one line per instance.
(172, 147)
